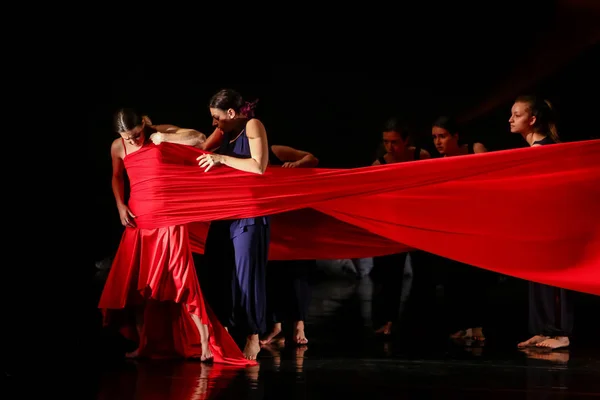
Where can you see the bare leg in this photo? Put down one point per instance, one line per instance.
(272, 335)
(532, 341)
(207, 354)
(299, 336)
(252, 347)
(139, 325)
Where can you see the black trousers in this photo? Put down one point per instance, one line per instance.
(387, 276)
(550, 310)
(288, 290)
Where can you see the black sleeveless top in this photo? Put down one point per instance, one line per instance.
(544, 141)
(417, 156)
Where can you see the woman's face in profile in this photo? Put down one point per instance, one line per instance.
(520, 119)
(224, 120)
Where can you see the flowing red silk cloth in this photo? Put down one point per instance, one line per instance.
(531, 213)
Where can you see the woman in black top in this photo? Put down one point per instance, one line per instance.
(550, 308)
(444, 132)
(388, 271)
(466, 287)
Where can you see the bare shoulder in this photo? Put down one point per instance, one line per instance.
(424, 155)
(479, 148)
(116, 148)
(254, 128)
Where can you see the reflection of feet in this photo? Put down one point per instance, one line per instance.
(554, 343)
(560, 357)
(385, 329)
(387, 348)
(274, 352)
(273, 335)
(133, 354)
(299, 336)
(207, 354)
(204, 379)
(300, 350)
(477, 351)
(252, 372)
(532, 341)
(252, 347)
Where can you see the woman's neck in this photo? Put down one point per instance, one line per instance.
(532, 137)
(241, 125)
(405, 155)
(457, 151)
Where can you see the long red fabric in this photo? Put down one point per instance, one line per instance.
(531, 213)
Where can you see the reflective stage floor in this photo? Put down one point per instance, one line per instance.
(344, 359)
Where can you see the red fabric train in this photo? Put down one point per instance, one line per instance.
(531, 213)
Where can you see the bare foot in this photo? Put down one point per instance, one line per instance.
(458, 335)
(207, 354)
(554, 343)
(299, 336)
(477, 334)
(133, 354)
(271, 336)
(252, 347)
(385, 329)
(532, 341)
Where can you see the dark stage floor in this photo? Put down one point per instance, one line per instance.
(345, 360)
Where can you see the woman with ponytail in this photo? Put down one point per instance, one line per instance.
(534, 119)
(550, 308)
(152, 283)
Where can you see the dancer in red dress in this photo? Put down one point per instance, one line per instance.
(153, 281)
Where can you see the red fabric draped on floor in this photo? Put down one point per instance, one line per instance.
(531, 213)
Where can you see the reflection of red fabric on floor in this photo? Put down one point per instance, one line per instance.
(169, 380)
(531, 213)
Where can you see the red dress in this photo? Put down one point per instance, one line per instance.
(154, 268)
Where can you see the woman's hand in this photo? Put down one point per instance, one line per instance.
(291, 164)
(126, 217)
(209, 161)
(157, 138)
